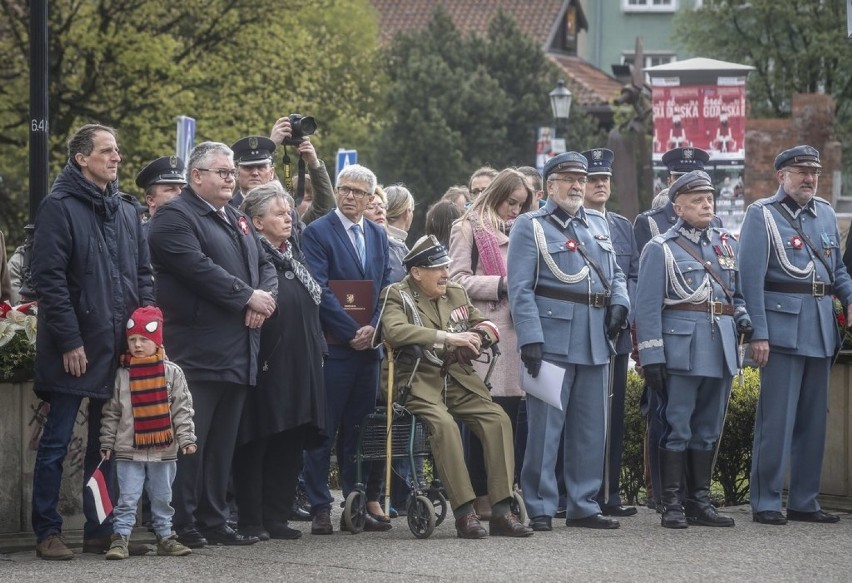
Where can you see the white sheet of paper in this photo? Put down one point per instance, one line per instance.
(547, 386)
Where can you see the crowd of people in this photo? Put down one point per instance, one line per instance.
(232, 340)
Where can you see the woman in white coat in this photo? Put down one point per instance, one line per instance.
(479, 244)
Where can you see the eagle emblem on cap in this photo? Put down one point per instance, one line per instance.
(253, 143)
(688, 153)
(597, 154)
(173, 161)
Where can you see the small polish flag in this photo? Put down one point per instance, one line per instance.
(97, 485)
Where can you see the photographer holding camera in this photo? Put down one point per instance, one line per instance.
(294, 130)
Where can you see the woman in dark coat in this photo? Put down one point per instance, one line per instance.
(285, 412)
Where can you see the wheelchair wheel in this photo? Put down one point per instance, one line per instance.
(355, 511)
(439, 503)
(518, 507)
(421, 517)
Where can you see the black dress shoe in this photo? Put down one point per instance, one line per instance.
(618, 510)
(254, 530)
(541, 523)
(818, 516)
(322, 522)
(593, 521)
(769, 517)
(300, 514)
(281, 531)
(225, 535)
(190, 537)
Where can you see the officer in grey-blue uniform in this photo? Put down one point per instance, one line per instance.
(647, 225)
(598, 191)
(568, 298)
(791, 266)
(689, 314)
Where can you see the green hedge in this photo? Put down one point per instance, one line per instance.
(734, 462)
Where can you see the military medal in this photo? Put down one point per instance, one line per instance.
(571, 245)
(796, 242)
(826, 244)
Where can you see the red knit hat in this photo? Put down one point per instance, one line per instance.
(147, 321)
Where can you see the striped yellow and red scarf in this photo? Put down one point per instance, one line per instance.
(149, 396)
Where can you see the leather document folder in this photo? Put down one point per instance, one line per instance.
(356, 298)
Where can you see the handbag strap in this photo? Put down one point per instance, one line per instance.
(805, 238)
(706, 265)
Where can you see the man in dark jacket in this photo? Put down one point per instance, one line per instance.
(216, 288)
(90, 269)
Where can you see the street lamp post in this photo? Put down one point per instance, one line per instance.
(560, 105)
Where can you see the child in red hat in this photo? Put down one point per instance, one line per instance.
(145, 423)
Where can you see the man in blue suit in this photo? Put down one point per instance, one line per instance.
(597, 194)
(791, 266)
(568, 299)
(689, 313)
(343, 245)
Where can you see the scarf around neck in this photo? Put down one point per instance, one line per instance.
(486, 243)
(285, 260)
(149, 398)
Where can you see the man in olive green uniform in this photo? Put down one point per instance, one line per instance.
(426, 309)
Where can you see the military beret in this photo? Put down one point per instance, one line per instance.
(566, 162)
(695, 181)
(798, 156)
(426, 252)
(600, 161)
(681, 160)
(253, 151)
(165, 170)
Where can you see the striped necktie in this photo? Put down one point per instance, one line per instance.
(359, 244)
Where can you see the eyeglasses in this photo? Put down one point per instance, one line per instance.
(355, 192)
(376, 207)
(805, 172)
(570, 180)
(223, 173)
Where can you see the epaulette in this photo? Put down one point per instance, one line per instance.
(540, 212)
(593, 212)
(618, 217)
(819, 199)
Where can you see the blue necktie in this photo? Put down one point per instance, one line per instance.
(359, 244)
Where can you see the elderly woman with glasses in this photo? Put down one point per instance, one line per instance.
(479, 243)
(285, 413)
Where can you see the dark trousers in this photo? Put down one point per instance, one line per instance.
(47, 472)
(616, 432)
(266, 474)
(351, 384)
(201, 486)
(474, 456)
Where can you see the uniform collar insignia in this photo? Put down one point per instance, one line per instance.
(693, 234)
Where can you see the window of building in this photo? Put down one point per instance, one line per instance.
(649, 5)
(651, 59)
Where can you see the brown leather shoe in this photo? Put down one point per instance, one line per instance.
(468, 526)
(322, 523)
(507, 525)
(53, 548)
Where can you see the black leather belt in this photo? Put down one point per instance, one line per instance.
(717, 308)
(816, 288)
(597, 300)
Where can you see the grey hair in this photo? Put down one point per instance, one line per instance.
(204, 152)
(359, 173)
(400, 200)
(257, 201)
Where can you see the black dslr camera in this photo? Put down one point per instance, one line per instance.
(300, 126)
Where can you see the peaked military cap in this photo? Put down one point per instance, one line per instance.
(566, 162)
(682, 160)
(426, 252)
(695, 181)
(253, 151)
(165, 170)
(798, 156)
(600, 161)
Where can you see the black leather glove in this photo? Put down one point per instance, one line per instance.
(531, 356)
(655, 377)
(745, 329)
(616, 317)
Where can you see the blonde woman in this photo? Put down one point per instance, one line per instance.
(479, 243)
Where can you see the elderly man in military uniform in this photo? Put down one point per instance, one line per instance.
(791, 266)
(689, 314)
(597, 194)
(161, 180)
(429, 310)
(647, 225)
(568, 299)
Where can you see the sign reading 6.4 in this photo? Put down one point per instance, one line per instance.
(38, 125)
